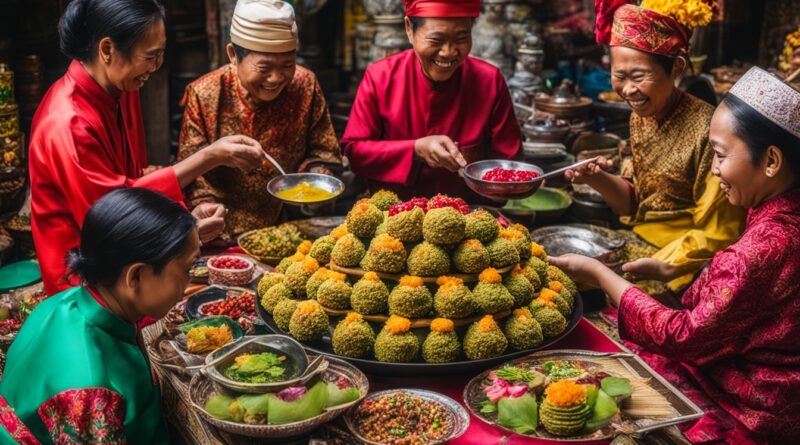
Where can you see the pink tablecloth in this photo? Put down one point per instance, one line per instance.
(585, 336)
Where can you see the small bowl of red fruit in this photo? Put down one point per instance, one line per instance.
(501, 180)
(230, 270)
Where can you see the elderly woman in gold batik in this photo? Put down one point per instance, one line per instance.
(668, 195)
(262, 93)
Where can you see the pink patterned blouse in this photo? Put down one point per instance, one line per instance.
(738, 333)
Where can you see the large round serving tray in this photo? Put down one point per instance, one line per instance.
(619, 364)
(201, 388)
(420, 368)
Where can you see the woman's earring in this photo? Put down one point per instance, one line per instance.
(769, 172)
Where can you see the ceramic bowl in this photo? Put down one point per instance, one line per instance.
(230, 277)
(458, 416)
(546, 206)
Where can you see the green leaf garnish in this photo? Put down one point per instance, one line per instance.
(488, 407)
(513, 374)
(616, 386)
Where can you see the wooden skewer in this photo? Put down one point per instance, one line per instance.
(791, 77)
(644, 401)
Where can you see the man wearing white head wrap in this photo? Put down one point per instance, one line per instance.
(262, 93)
(264, 26)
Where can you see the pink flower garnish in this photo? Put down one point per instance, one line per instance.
(497, 390)
(292, 394)
(342, 383)
(517, 391)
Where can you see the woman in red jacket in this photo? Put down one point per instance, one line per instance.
(88, 137)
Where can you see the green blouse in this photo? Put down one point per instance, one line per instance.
(76, 373)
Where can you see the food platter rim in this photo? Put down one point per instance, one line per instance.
(698, 412)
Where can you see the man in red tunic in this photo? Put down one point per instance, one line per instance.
(422, 114)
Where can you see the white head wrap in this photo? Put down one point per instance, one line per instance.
(265, 26)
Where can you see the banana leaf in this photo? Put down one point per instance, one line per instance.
(311, 404)
(219, 407)
(338, 396)
(604, 409)
(520, 414)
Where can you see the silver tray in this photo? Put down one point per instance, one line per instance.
(596, 242)
(684, 409)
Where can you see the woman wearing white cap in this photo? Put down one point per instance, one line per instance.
(736, 334)
(263, 94)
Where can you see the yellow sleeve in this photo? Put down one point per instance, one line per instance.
(715, 224)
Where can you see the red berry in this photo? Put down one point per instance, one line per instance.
(503, 175)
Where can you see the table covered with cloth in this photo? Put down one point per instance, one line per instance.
(179, 412)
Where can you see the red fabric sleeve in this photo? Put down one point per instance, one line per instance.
(370, 157)
(14, 427)
(82, 165)
(90, 415)
(729, 299)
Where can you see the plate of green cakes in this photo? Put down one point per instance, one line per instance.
(577, 396)
(425, 286)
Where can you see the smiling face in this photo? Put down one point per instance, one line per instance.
(441, 45)
(643, 83)
(264, 75)
(746, 181)
(130, 72)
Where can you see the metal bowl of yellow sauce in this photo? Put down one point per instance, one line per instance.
(305, 188)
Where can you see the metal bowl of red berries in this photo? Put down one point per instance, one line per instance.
(229, 270)
(501, 180)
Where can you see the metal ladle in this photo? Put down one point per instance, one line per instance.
(275, 164)
(561, 171)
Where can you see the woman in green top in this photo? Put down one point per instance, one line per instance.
(75, 373)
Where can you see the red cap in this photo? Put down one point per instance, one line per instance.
(443, 8)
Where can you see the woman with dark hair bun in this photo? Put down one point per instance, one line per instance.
(75, 373)
(88, 136)
(736, 332)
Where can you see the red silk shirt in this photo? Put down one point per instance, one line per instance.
(396, 105)
(84, 144)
